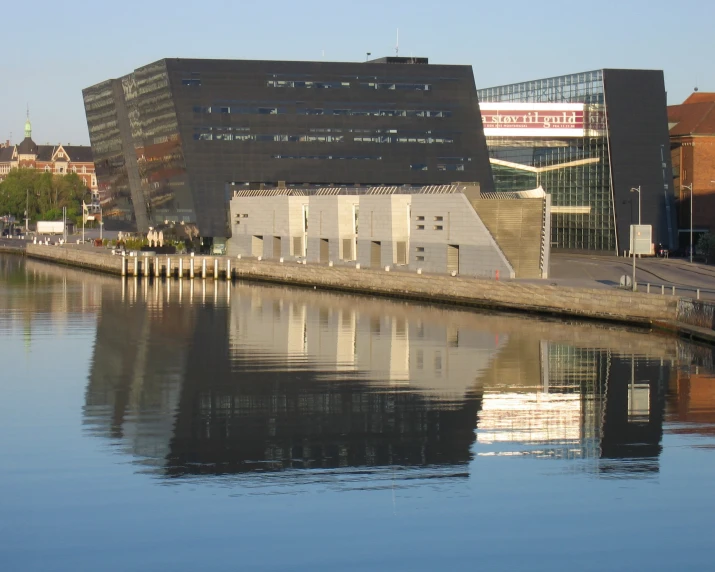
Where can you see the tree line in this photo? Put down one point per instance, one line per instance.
(43, 195)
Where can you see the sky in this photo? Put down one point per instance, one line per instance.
(54, 50)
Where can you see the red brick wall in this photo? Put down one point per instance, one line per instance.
(696, 158)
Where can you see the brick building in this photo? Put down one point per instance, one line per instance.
(56, 159)
(692, 149)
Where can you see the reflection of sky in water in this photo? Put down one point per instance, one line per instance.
(446, 433)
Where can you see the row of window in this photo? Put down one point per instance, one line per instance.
(341, 85)
(228, 136)
(440, 167)
(251, 110)
(435, 227)
(323, 157)
(323, 135)
(430, 113)
(397, 139)
(308, 84)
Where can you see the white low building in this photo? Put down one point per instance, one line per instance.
(446, 229)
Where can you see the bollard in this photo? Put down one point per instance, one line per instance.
(136, 266)
(647, 288)
(662, 290)
(419, 271)
(215, 268)
(304, 262)
(387, 268)
(496, 275)
(697, 294)
(181, 268)
(124, 265)
(453, 273)
(357, 266)
(260, 258)
(330, 263)
(157, 268)
(168, 267)
(673, 291)
(280, 260)
(203, 268)
(145, 264)
(228, 269)
(191, 266)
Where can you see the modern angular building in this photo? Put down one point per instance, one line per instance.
(173, 139)
(587, 139)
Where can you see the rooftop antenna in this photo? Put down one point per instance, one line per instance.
(397, 45)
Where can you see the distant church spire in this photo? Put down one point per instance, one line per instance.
(28, 125)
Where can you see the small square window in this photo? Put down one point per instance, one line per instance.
(438, 218)
(437, 227)
(420, 258)
(420, 249)
(420, 227)
(420, 218)
(244, 216)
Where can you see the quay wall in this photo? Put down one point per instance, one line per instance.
(604, 304)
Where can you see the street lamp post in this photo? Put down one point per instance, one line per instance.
(690, 188)
(638, 190)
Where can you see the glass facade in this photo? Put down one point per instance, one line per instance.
(575, 170)
(195, 129)
(100, 102)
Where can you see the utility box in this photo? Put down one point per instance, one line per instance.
(642, 239)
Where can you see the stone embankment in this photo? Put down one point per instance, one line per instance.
(612, 305)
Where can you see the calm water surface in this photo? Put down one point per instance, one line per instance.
(167, 426)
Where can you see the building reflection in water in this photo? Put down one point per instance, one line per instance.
(207, 379)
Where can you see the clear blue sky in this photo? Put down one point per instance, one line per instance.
(52, 50)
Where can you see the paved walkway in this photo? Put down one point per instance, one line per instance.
(606, 271)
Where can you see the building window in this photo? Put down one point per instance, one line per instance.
(397, 86)
(420, 258)
(194, 82)
(420, 227)
(419, 166)
(420, 249)
(437, 227)
(420, 218)
(84, 169)
(439, 218)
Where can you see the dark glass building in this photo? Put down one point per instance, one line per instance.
(171, 139)
(587, 139)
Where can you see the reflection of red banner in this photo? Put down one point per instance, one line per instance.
(507, 119)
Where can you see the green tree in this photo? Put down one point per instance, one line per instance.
(43, 195)
(706, 247)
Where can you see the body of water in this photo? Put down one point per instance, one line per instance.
(200, 425)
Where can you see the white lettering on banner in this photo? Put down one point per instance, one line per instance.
(508, 119)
